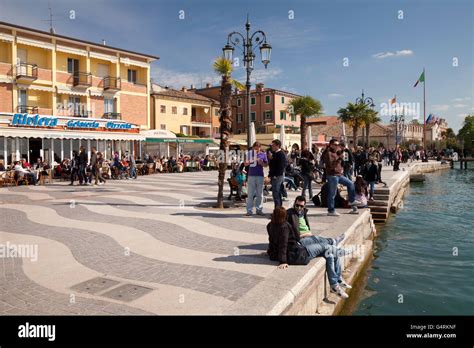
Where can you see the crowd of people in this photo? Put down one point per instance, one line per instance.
(291, 241)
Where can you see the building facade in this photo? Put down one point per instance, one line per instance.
(65, 79)
(269, 109)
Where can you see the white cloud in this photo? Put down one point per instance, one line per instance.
(335, 95)
(460, 105)
(176, 80)
(461, 99)
(260, 75)
(440, 107)
(382, 55)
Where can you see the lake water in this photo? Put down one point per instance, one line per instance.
(424, 256)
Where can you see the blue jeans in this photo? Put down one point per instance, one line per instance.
(372, 189)
(307, 181)
(133, 172)
(277, 181)
(348, 171)
(254, 191)
(333, 181)
(291, 183)
(325, 247)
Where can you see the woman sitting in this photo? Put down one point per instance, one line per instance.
(43, 172)
(361, 191)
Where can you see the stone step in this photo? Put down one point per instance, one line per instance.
(380, 203)
(379, 221)
(379, 215)
(381, 197)
(379, 209)
(382, 190)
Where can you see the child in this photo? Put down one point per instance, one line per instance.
(361, 191)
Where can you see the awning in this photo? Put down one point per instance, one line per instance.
(35, 87)
(69, 90)
(35, 43)
(103, 56)
(54, 134)
(71, 50)
(6, 37)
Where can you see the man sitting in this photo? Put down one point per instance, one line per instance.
(22, 172)
(318, 246)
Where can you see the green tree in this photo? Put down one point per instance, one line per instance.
(371, 117)
(353, 115)
(304, 106)
(223, 68)
(466, 133)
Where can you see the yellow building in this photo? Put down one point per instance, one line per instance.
(53, 75)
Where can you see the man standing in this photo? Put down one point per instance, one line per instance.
(277, 164)
(334, 168)
(348, 159)
(82, 166)
(256, 160)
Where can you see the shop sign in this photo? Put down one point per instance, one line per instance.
(33, 121)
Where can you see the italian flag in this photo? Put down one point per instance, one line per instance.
(421, 79)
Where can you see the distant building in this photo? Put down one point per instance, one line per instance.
(269, 109)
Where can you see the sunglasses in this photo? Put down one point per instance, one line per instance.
(299, 205)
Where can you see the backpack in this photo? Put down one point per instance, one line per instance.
(298, 255)
(316, 200)
(339, 202)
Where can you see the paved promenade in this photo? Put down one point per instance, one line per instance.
(143, 247)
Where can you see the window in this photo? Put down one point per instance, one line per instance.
(252, 101)
(132, 76)
(163, 109)
(267, 99)
(293, 117)
(282, 115)
(267, 115)
(283, 100)
(216, 112)
(184, 130)
(239, 118)
(72, 65)
(252, 116)
(174, 110)
(239, 102)
(163, 126)
(108, 105)
(185, 111)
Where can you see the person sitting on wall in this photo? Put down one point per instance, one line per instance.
(318, 246)
(288, 246)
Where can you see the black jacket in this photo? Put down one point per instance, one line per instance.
(293, 218)
(281, 238)
(83, 158)
(277, 164)
(371, 173)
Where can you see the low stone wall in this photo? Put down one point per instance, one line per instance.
(310, 296)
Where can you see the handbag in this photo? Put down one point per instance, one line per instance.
(298, 255)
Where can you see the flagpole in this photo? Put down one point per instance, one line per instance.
(424, 111)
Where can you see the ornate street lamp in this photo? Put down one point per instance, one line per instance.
(399, 122)
(247, 46)
(367, 100)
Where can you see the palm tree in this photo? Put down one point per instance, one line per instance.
(305, 106)
(223, 68)
(371, 117)
(353, 115)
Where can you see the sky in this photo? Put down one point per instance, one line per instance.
(329, 49)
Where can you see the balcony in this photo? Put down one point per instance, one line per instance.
(26, 72)
(112, 83)
(23, 109)
(200, 119)
(82, 79)
(112, 115)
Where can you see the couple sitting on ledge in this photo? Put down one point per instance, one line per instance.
(292, 243)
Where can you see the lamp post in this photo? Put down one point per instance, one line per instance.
(397, 120)
(246, 45)
(368, 101)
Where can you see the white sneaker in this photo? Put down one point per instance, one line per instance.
(343, 284)
(355, 202)
(339, 291)
(355, 212)
(334, 213)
